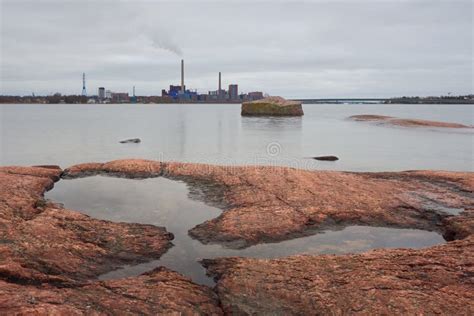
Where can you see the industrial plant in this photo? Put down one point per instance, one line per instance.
(179, 93)
(175, 94)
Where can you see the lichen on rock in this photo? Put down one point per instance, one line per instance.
(272, 106)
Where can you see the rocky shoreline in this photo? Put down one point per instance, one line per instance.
(51, 256)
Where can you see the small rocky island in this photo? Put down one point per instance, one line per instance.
(272, 106)
(390, 120)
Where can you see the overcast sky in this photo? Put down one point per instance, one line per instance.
(290, 48)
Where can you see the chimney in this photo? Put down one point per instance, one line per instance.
(219, 91)
(182, 75)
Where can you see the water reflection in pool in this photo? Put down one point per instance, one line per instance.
(164, 202)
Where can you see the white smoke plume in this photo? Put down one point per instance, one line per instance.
(167, 45)
(163, 40)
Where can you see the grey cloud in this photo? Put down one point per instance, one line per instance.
(290, 48)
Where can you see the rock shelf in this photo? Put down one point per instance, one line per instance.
(50, 256)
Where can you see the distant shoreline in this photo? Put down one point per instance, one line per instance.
(57, 99)
(403, 100)
(216, 103)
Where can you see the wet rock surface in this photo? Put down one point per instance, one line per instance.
(405, 122)
(265, 204)
(50, 256)
(272, 106)
(129, 168)
(437, 280)
(160, 291)
(46, 243)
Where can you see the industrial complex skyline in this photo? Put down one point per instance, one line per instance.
(181, 93)
(175, 93)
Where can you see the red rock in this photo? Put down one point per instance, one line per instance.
(131, 168)
(38, 171)
(275, 203)
(84, 169)
(437, 280)
(49, 256)
(157, 292)
(406, 122)
(42, 242)
(459, 227)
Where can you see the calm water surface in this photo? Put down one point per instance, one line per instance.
(69, 134)
(164, 202)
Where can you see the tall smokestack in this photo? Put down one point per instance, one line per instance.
(182, 75)
(219, 91)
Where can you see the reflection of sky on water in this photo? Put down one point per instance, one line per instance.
(164, 202)
(68, 134)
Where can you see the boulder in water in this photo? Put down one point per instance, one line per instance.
(272, 106)
(131, 140)
(326, 158)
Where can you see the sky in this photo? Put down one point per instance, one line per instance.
(296, 49)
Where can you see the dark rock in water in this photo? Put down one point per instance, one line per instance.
(272, 106)
(131, 140)
(326, 158)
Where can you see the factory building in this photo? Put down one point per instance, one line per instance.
(101, 93)
(133, 98)
(120, 97)
(173, 91)
(257, 95)
(233, 92)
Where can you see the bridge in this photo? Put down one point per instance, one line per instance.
(343, 100)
